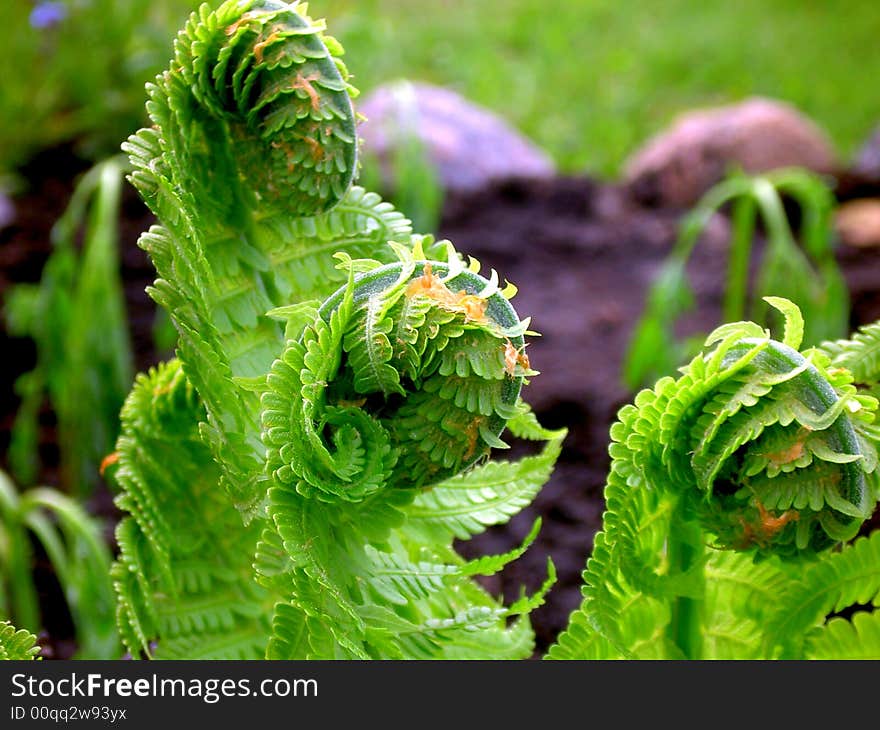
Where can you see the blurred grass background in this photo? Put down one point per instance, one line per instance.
(587, 80)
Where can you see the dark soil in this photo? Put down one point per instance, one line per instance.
(583, 254)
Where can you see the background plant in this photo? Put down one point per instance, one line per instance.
(75, 545)
(77, 72)
(511, 57)
(806, 273)
(76, 317)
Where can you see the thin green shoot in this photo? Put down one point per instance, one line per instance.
(77, 319)
(804, 271)
(74, 543)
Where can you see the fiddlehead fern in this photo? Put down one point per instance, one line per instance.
(264, 94)
(252, 142)
(347, 407)
(755, 452)
(424, 361)
(356, 417)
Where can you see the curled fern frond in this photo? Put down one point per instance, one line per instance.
(248, 165)
(757, 450)
(265, 77)
(351, 381)
(358, 432)
(767, 440)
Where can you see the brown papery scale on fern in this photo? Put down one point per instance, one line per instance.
(403, 378)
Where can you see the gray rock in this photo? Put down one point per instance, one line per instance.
(7, 211)
(867, 162)
(467, 145)
(677, 166)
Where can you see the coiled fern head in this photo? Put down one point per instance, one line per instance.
(410, 371)
(275, 80)
(728, 486)
(768, 443)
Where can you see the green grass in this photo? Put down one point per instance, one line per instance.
(80, 80)
(588, 80)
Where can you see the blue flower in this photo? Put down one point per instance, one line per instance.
(47, 14)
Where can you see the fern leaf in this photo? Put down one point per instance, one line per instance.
(842, 580)
(860, 354)
(740, 596)
(396, 580)
(177, 585)
(489, 494)
(17, 644)
(491, 564)
(856, 639)
(369, 347)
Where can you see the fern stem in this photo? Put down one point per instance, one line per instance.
(685, 554)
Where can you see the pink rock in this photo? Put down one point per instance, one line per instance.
(678, 165)
(857, 222)
(7, 211)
